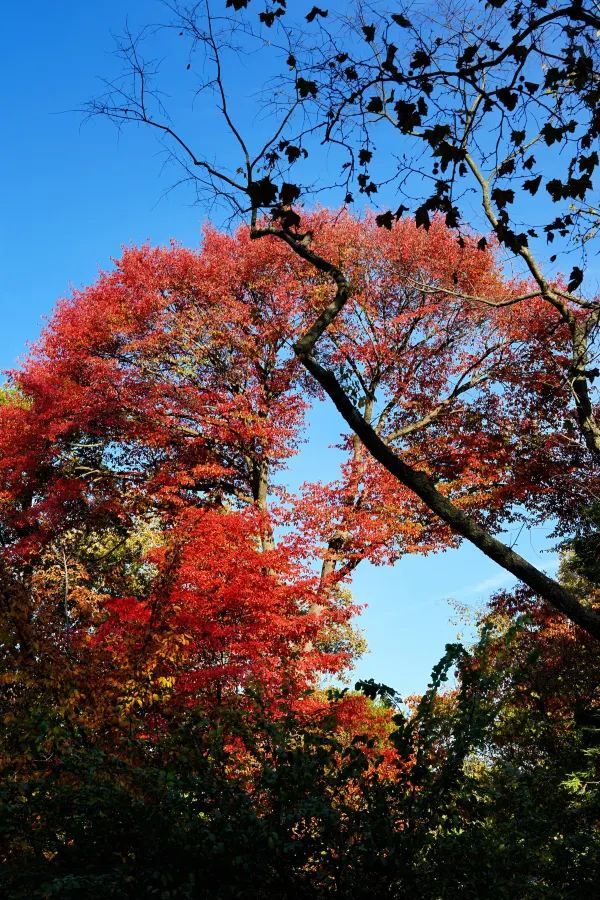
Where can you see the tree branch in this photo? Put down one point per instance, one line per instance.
(547, 588)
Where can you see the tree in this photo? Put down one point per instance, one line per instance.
(137, 453)
(437, 795)
(160, 637)
(495, 101)
(144, 434)
(453, 87)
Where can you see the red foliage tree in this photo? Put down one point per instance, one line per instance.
(140, 448)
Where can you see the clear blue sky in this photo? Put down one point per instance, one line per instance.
(74, 193)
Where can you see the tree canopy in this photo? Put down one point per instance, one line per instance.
(485, 99)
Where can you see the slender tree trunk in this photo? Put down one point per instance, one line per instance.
(579, 376)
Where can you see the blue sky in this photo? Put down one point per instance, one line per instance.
(75, 192)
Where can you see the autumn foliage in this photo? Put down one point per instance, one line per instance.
(155, 570)
(143, 440)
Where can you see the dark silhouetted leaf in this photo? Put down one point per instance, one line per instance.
(369, 33)
(388, 63)
(437, 134)
(507, 167)
(375, 105)
(555, 188)
(532, 185)
(575, 278)
(551, 133)
(263, 192)
(452, 219)
(289, 193)
(507, 97)
(385, 220)
(420, 60)
(315, 11)
(467, 57)
(293, 153)
(422, 217)
(267, 18)
(306, 88)
(588, 163)
(409, 116)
